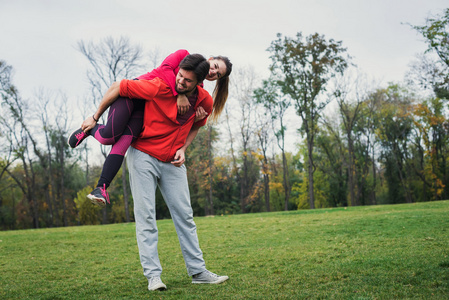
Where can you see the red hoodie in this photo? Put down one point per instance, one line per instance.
(162, 135)
(168, 69)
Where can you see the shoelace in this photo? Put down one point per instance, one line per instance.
(156, 280)
(212, 274)
(79, 137)
(104, 193)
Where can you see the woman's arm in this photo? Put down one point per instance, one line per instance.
(109, 97)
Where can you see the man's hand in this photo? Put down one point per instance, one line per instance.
(179, 158)
(183, 104)
(88, 124)
(200, 114)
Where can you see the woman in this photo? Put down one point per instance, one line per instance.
(125, 117)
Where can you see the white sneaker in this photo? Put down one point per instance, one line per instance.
(155, 283)
(208, 277)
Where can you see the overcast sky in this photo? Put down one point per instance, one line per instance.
(38, 37)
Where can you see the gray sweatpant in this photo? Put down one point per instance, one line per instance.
(145, 173)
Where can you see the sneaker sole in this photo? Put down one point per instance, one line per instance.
(211, 282)
(97, 201)
(158, 287)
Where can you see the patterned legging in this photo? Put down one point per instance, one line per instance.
(124, 124)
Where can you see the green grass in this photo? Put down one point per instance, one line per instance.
(375, 252)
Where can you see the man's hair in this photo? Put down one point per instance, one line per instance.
(196, 63)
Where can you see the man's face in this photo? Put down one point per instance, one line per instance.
(186, 82)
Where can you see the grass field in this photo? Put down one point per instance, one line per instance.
(375, 252)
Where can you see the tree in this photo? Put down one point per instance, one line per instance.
(304, 67)
(330, 156)
(436, 35)
(349, 94)
(276, 106)
(371, 106)
(432, 146)
(243, 82)
(21, 139)
(110, 59)
(200, 163)
(7, 216)
(264, 140)
(395, 129)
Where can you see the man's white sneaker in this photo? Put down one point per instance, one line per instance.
(208, 277)
(155, 283)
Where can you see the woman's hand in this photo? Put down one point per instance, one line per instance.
(200, 114)
(183, 104)
(88, 124)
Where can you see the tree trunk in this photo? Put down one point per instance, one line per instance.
(242, 192)
(105, 215)
(286, 180)
(408, 196)
(31, 187)
(244, 182)
(62, 189)
(373, 194)
(351, 172)
(310, 171)
(266, 180)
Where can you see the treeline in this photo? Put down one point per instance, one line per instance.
(358, 143)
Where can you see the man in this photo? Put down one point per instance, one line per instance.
(157, 158)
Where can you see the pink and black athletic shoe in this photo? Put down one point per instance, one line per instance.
(99, 196)
(76, 138)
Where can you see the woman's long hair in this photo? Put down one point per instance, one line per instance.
(220, 93)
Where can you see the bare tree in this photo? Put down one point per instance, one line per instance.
(235, 167)
(21, 139)
(42, 103)
(61, 150)
(276, 107)
(350, 112)
(243, 82)
(263, 123)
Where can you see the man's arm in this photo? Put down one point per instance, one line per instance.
(180, 154)
(109, 97)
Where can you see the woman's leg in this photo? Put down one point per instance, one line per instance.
(118, 118)
(115, 158)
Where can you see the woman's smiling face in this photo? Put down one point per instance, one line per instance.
(217, 69)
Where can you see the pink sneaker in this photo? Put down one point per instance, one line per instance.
(99, 196)
(76, 138)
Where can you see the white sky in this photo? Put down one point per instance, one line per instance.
(38, 37)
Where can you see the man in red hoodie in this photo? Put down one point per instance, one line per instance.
(157, 158)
